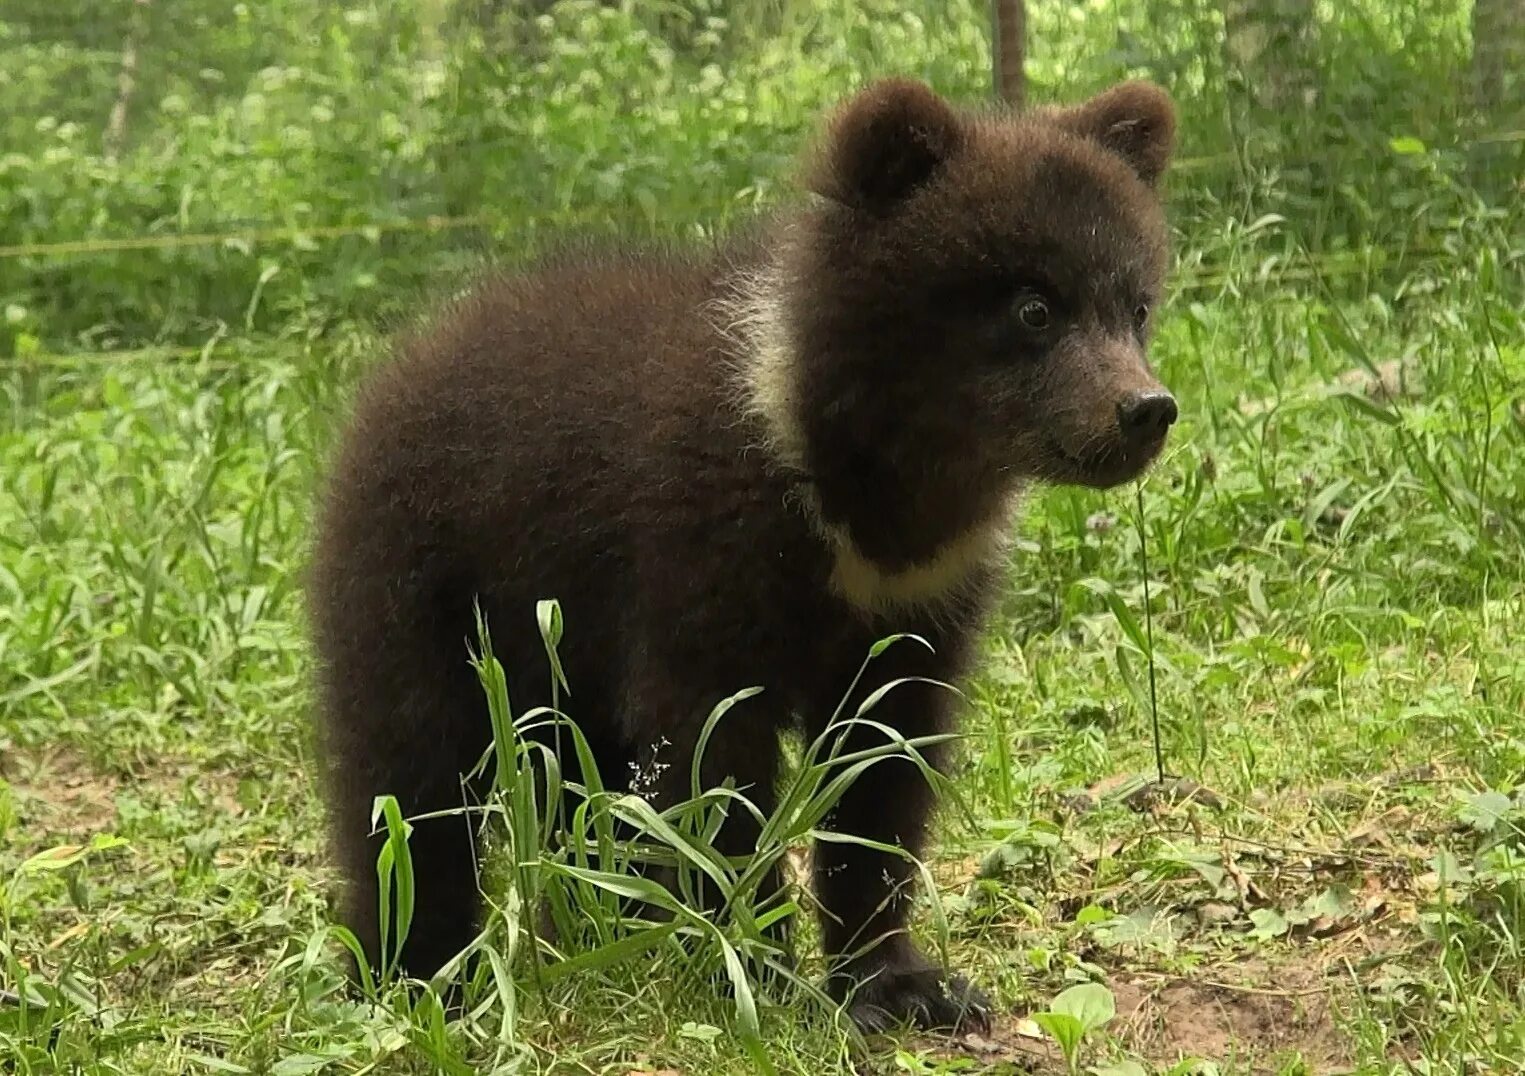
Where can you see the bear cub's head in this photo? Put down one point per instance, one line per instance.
(979, 288)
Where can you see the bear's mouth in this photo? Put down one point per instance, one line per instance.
(1109, 464)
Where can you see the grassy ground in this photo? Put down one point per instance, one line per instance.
(1335, 593)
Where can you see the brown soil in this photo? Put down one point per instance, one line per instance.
(59, 793)
(1251, 1019)
(1250, 1027)
(61, 797)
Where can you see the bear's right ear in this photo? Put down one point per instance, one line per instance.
(883, 144)
(1135, 120)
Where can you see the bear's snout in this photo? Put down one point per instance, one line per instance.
(1144, 417)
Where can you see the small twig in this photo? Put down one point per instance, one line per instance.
(1348, 855)
(1237, 988)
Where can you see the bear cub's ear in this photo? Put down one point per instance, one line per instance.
(883, 144)
(1135, 120)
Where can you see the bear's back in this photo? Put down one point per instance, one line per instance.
(524, 413)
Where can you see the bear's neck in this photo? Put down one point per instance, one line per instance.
(904, 529)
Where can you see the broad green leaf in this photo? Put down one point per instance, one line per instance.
(1269, 923)
(1483, 811)
(1066, 1030)
(1090, 1003)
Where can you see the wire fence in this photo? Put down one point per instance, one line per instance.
(1185, 281)
(435, 224)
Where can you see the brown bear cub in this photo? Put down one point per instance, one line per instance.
(738, 467)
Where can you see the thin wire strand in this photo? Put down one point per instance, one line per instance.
(434, 223)
(1187, 280)
(251, 235)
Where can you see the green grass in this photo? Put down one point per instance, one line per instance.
(1335, 581)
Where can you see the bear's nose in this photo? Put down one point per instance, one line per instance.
(1145, 416)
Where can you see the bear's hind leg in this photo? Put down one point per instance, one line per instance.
(410, 723)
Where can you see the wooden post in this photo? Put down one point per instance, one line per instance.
(115, 136)
(1498, 55)
(1008, 35)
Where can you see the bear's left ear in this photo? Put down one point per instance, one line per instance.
(1135, 120)
(883, 144)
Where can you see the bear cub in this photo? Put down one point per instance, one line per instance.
(741, 466)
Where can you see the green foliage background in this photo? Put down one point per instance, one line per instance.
(645, 118)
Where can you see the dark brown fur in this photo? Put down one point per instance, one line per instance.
(742, 467)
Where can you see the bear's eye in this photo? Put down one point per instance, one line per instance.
(1141, 316)
(1033, 313)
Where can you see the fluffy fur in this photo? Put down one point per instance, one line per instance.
(743, 466)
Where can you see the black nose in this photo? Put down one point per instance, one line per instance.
(1145, 416)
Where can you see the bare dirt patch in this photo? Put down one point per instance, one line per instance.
(1251, 1025)
(59, 792)
(1251, 1017)
(61, 796)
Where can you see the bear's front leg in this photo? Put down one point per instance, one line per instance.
(865, 894)
(665, 718)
